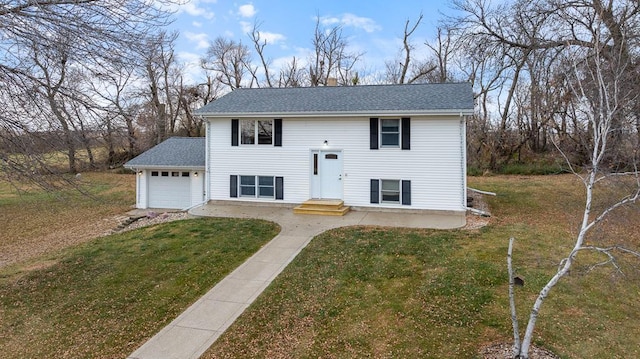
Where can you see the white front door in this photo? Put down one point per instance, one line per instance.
(326, 176)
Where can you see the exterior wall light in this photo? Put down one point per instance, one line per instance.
(325, 143)
(195, 174)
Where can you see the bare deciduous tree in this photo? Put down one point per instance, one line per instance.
(229, 60)
(291, 75)
(259, 44)
(83, 34)
(597, 83)
(407, 69)
(332, 57)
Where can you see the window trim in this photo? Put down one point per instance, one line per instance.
(398, 192)
(375, 133)
(404, 193)
(257, 187)
(398, 133)
(261, 186)
(242, 186)
(256, 132)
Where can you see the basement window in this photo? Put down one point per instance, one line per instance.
(390, 191)
(257, 186)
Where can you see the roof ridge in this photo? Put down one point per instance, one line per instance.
(354, 86)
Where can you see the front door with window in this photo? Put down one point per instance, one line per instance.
(326, 174)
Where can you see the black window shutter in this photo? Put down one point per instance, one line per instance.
(277, 132)
(406, 133)
(375, 191)
(234, 132)
(406, 193)
(233, 186)
(279, 187)
(373, 133)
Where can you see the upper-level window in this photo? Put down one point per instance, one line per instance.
(390, 133)
(260, 129)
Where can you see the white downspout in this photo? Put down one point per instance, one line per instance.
(207, 162)
(463, 148)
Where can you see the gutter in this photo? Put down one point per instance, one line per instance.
(159, 167)
(368, 113)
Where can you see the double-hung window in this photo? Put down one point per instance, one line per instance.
(265, 187)
(390, 133)
(257, 186)
(390, 191)
(256, 131)
(247, 186)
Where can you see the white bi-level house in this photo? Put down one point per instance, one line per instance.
(383, 147)
(387, 146)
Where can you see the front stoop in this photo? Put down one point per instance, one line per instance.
(323, 207)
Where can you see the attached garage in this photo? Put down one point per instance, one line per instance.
(169, 189)
(171, 174)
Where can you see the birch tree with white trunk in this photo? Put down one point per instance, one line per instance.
(597, 82)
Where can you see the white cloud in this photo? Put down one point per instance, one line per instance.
(270, 37)
(247, 10)
(246, 26)
(192, 69)
(196, 24)
(351, 20)
(194, 8)
(201, 39)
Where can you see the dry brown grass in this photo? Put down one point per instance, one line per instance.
(35, 223)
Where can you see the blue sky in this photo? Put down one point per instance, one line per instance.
(372, 27)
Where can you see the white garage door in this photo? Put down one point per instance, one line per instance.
(169, 189)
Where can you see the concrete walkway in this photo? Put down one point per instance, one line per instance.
(193, 331)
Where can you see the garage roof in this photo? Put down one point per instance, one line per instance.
(174, 152)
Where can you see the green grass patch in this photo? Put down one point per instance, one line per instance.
(518, 168)
(103, 299)
(368, 292)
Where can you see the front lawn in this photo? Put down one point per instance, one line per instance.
(352, 293)
(368, 292)
(105, 298)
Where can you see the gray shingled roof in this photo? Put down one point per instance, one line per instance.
(415, 98)
(174, 152)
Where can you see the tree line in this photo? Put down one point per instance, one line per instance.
(93, 75)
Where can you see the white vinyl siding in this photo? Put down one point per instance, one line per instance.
(197, 187)
(433, 165)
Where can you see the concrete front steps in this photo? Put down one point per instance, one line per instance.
(323, 207)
